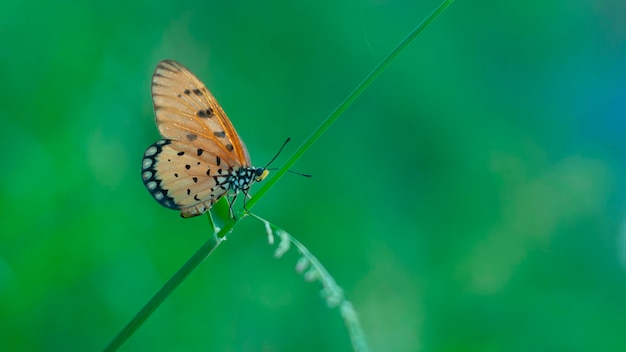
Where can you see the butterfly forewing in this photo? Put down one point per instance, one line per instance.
(189, 169)
(187, 111)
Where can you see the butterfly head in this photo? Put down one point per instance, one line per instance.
(260, 174)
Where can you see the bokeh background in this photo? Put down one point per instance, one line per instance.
(472, 199)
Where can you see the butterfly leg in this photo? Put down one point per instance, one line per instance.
(231, 201)
(245, 198)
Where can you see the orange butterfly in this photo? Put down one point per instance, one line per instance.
(200, 157)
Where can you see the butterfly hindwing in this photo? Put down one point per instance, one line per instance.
(179, 178)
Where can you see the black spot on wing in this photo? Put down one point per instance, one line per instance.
(205, 113)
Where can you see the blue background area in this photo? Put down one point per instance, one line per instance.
(472, 199)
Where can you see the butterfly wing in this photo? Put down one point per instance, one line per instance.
(188, 169)
(186, 111)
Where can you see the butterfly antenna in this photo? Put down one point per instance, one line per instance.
(293, 172)
(277, 154)
(299, 173)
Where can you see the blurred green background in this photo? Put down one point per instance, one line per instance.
(470, 200)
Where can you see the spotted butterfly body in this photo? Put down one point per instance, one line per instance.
(200, 158)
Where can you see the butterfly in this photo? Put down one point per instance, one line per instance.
(201, 157)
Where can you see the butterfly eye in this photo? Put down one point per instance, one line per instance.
(261, 174)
